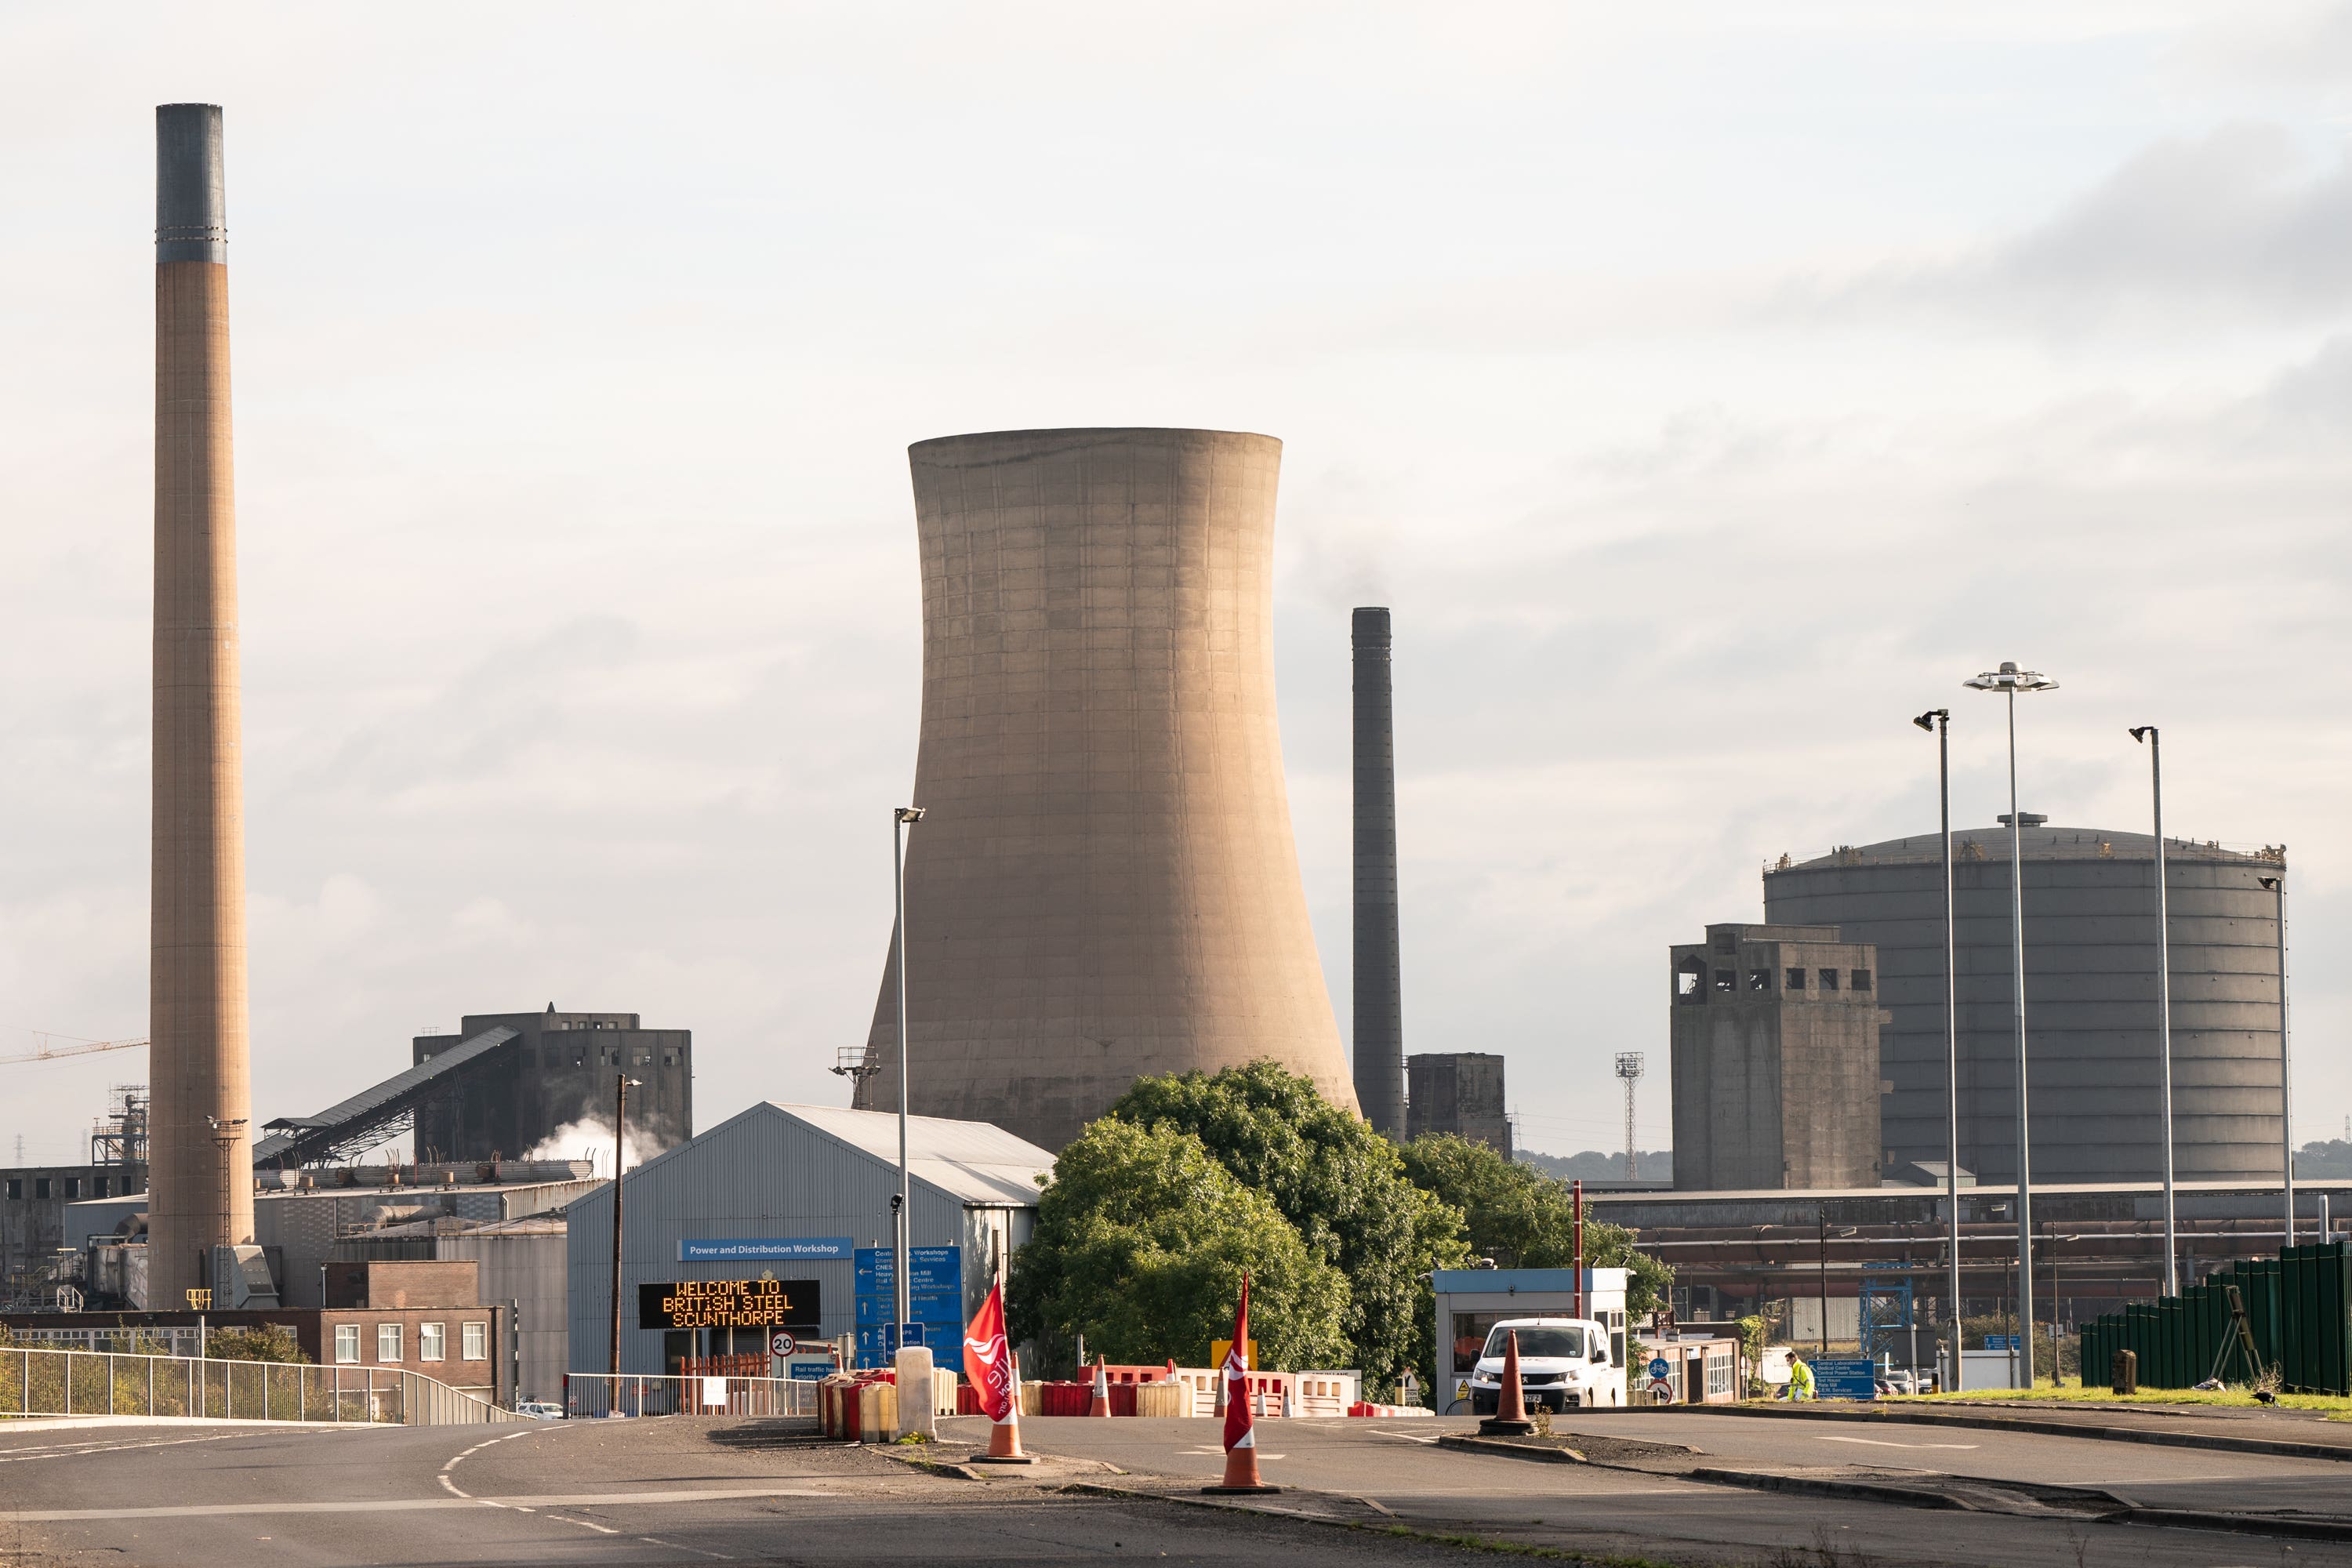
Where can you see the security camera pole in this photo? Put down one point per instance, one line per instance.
(1939, 721)
(902, 819)
(2009, 680)
(2146, 735)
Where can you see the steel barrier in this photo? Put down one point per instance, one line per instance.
(91, 1383)
(594, 1395)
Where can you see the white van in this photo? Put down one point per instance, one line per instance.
(1564, 1364)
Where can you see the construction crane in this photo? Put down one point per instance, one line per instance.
(46, 1052)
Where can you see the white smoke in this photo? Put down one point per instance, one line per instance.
(590, 1139)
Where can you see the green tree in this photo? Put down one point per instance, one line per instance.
(1340, 1185)
(1141, 1241)
(1523, 1219)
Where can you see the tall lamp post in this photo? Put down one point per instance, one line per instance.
(902, 819)
(2009, 680)
(1939, 722)
(2147, 736)
(2286, 1075)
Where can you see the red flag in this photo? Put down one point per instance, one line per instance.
(1239, 1433)
(988, 1359)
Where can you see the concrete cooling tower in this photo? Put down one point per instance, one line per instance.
(1104, 884)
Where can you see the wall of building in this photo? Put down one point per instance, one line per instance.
(33, 1200)
(1460, 1092)
(2091, 998)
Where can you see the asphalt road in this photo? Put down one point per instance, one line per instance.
(693, 1491)
(1397, 1467)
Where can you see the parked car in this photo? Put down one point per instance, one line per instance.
(539, 1410)
(1563, 1365)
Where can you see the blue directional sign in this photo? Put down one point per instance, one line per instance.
(1845, 1377)
(2001, 1341)
(934, 1302)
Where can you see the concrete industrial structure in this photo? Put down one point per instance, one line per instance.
(2091, 998)
(1378, 1024)
(1105, 885)
(796, 1189)
(1775, 1039)
(199, 1047)
(556, 1074)
(1460, 1092)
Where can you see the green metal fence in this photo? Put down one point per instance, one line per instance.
(86, 1383)
(2299, 1307)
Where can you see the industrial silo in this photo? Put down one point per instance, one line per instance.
(1104, 884)
(2090, 997)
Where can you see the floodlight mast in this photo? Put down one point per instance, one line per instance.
(2009, 680)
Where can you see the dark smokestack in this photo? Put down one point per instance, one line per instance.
(1379, 1004)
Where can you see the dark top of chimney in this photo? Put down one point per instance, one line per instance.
(191, 188)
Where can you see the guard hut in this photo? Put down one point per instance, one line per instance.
(1471, 1301)
(792, 1203)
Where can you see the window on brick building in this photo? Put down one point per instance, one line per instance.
(387, 1342)
(429, 1341)
(347, 1342)
(476, 1341)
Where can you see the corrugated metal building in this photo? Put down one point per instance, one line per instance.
(784, 1172)
(520, 1265)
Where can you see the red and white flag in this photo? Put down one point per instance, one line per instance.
(988, 1359)
(1239, 1432)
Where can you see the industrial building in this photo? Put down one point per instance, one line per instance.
(2090, 993)
(33, 1200)
(1775, 1045)
(300, 1216)
(1460, 1092)
(199, 1052)
(557, 1073)
(518, 1265)
(1104, 885)
(793, 1193)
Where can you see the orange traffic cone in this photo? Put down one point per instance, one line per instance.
(1510, 1417)
(1100, 1404)
(1240, 1472)
(1004, 1436)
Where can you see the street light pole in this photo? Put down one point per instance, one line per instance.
(2286, 1076)
(2009, 680)
(1939, 720)
(2146, 735)
(902, 819)
(622, 1084)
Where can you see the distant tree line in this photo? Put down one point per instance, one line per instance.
(1154, 1212)
(2325, 1159)
(1654, 1165)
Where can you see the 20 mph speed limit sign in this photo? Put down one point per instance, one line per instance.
(781, 1344)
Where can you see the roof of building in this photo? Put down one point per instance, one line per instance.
(976, 1161)
(2037, 843)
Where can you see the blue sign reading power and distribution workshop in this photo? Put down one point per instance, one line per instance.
(1843, 1377)
(761, 1249)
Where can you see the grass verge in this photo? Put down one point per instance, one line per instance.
(2334, 1406)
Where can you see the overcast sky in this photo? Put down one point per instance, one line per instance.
(1708, 389)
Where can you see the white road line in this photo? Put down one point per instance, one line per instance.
(681, 1546)
(414, 1505)
(1877, 1443)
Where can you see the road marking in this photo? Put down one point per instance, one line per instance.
(681, 1546)
(1877, 1443)
(1220, 1453)
(455, 1490)
(1404, 1437)
(414, 1505)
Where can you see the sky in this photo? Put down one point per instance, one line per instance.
(1707, 388)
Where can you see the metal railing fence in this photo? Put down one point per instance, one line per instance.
(591, 1394)
(86, 1383)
